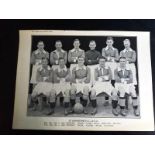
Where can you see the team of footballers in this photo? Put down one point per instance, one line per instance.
(90, 74)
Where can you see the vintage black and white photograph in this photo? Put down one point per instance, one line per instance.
(83, 80)
(84, 76)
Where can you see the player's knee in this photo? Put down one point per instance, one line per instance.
(93, 94)
(122, 91)
(86, 91)
(133, 93)
(66, 93)
(73, 90)
(114, 94)
(34, 95)
(53, 93)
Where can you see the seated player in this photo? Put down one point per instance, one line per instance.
(103, 77)
(44, 85)
(62, 79)
(130, 56)
(75, 53)
(57, 54)
(92, 58)
(124, 85)
(80, 83)
(36, 59)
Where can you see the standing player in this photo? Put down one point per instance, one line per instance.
(130, 56)
(75, 53)
(62, 79)
(36, 59)
(92, 58)
(80, 83)
(44, 85)
(57, 54)
(111, 55)
(109, 52)
(124, 85)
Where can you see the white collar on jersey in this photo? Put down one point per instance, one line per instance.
(105, 67)
(73, 50)
(83, 67)
(41, 68)
(106, 48)
(130, 50)
(37, 51)
(62, 69)
(119, 68)
(56, 51)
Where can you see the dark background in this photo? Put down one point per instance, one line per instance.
(9, 38)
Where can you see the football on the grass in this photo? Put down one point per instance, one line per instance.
(78, 108)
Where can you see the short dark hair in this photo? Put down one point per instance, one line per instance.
(110, 38)
(40, 41)
(76, 40)
(58, 41)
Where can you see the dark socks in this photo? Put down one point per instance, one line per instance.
(83, 101)
(94, 104)
(52, 105)
(72, 101)
(114, 104)
(66, 104)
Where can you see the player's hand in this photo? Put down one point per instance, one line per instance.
(86, 81)
(106, 78)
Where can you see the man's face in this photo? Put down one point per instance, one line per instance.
(122, 63)
(61, 63)
(44, 62)
(81, 62)
(76, 44)
(40, 46)
(92, 45)
(58, 45)
(109, 43)
(126, 44)
(102, 62)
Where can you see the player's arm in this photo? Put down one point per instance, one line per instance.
(110, 74)
(73, 75)
(116, 77)
(83, 54)
(68, 76)
(69, 57)
(38, 76)
(55, 78)
(130, 78)
(51, 76)
(32, 61)
(65, 57)
(51, 58)
(93, 62)
(96, 74)
(87, 80)
(116, 55)
(133, 58)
